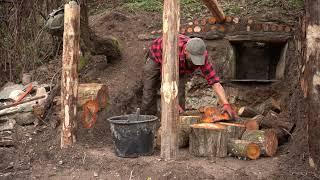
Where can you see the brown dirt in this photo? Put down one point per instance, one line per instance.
(37, 154)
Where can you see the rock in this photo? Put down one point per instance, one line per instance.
(60, 162)
(25, 118)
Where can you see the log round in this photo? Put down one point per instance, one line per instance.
(243, 148)
(208, 140)
(93, 91)
(267, 140)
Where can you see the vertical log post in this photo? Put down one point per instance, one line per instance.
(312, 77)
(215, 9)
(69, 81)
(170, 80)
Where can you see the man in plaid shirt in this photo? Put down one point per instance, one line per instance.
(192, 55)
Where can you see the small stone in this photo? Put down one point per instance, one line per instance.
(95, 174)
(11, 163)
(60, 162)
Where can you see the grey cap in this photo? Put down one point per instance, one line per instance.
(196, 47)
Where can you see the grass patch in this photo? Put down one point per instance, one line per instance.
(189, 8)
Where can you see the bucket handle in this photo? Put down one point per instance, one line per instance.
(137, 114)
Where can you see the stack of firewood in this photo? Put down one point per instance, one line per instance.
(256, 133)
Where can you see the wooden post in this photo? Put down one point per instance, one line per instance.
(69, 80)
(312, 77)
(170, 80)
(215, 9)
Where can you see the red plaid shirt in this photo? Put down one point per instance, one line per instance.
(155, 53)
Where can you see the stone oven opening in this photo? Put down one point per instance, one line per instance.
(258, 60)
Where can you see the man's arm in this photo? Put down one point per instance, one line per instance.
(217, 87)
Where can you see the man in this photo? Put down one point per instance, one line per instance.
(192, 55)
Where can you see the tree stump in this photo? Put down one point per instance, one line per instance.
(208, 140)
(267, 140)
(243, 149)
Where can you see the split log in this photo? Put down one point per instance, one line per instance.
(267, 140)
(215, 9)
(243, 149)
(269, 104)
(93, 91)
(234, 130)
(208, 140)
(246, 111)
(197, 29)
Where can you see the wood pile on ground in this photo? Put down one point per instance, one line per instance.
(257, 132)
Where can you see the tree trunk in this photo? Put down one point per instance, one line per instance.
(170, 80)
(208, 140)
(312, 77)
(243, 148)
(266, 139)
(69, 80)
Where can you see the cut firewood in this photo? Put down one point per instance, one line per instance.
(212, 20)
(269, 104)
(234, 130)
(93, 91)
(203, 21)
(251, 124)
(197, 29)
(244, 149)
(190, 30)
(247, 111)
(196, 22)
(208, 140)
(267, 140)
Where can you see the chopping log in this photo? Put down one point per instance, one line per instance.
(208, 140)
(247, 112)
(269, 104)
(267, 140)
(184, 129)
(234, 130)
(93, 91)
(244, 149)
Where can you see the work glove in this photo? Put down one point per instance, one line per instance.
(226, 108)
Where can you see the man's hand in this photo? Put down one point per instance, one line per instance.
(180, 109)
(226, 108)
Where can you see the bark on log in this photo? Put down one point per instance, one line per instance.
(312, 77)
(247, 112)
(69, 80)
(208, 140)
(93, 91)
(244, 149)
(267, 140)
(215, 9)
(266, 106)
(170, 80)
(271, 120)
(184, 130)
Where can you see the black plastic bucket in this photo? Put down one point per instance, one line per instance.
(133, 135)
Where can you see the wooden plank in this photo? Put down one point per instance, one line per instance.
(170, 80)
(275, 37)
(215, 9)
(69, 80)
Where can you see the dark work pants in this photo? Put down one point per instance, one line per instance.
(152, 83)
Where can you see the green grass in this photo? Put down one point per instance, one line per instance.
(189, 8)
